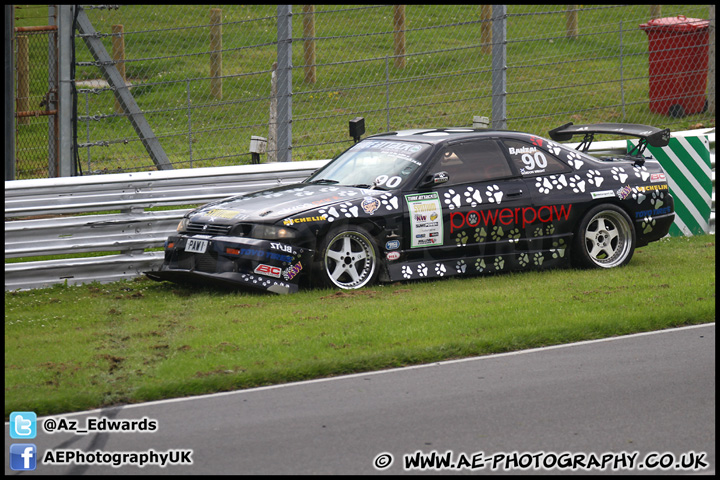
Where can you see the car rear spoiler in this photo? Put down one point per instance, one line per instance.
(652, 136)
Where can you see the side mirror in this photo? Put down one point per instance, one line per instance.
(436, 179)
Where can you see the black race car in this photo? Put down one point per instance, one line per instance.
(433, 203)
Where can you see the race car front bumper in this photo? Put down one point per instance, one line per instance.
(259, 264)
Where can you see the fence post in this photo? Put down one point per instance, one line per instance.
(284, 83)
(486, 28)
(23, 78)
(499, 67)
(309, 36)
(272, 126)
(399, 28)
(216, 53)
(655, 11)
(118, 47)
(571, 21)
(67, 119)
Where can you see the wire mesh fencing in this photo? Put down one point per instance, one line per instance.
(205, 77)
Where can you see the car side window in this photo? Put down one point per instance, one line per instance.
(531, 160)
(471, 162)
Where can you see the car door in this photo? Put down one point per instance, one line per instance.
(553, 187)
(480, 205)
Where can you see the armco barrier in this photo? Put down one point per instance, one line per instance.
(133, 230)
(130, 231)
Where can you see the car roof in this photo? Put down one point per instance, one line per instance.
(443, 135)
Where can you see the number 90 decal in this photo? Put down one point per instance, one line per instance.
(390, 182)
(536, 160)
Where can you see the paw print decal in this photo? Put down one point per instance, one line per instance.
(349, 210)
(480, 234)
(499, 263)
(594, 178)
(514, 235)
(461, 239)
(641, 172)
(452, 199)
(390, 202)
(302, 193)
(558, 181)
(553, 147)
(480, 264)
(577, 184)
(497, 232)
(647, 224)
(618, 173)
(543, 185)
(331, 213)
(559, 249)
(538, 259)
(657, 199)
(422, 270)
(573, 158)
(549, 229)
(472, 197)
(440, 269)
(639, 197)
(494, 194)
(523, 260)
(460, 267)
(406, 271)
(538, 232)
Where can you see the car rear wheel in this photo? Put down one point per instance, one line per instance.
(605, 238)
(349, 259)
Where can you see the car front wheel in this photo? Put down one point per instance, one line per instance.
(349, 259)
(605, 238)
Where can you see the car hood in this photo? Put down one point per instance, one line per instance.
(270, 206)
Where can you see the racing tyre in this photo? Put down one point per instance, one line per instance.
(348, 259)
(605, 238)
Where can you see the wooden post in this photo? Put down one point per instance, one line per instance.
(216, 53)
(399, 27)
(571, 21)
(309, 35)
(23, 79)
(655, 11)
(118, 54)
(486, 29)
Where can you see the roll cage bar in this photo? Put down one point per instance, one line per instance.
(648, 135)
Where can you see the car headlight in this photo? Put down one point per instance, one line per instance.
(183, 224)
(272, 232)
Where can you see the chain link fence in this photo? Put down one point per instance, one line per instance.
(203, 75)
(35, 111)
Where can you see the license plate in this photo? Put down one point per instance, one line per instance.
(196, 246)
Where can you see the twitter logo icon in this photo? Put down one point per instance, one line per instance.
(23, 425)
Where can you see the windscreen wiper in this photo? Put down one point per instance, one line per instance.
(324, 181)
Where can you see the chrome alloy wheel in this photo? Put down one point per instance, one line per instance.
(608, 239)
(350, 260)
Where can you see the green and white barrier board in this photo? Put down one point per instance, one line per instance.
(686, 161)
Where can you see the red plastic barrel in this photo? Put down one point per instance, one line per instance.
(678, 61)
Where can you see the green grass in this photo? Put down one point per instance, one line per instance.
(74, 348)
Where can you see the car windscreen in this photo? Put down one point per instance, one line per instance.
(371, 163)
